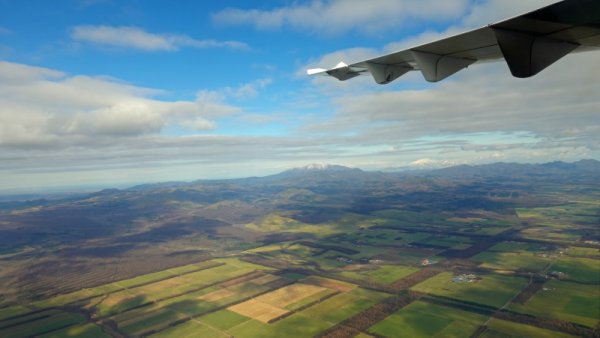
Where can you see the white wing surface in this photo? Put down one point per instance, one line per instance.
(528, 43)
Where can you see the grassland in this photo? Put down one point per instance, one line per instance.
(525, 261)
(502, 329)
(87, 330)
(492, 290)
(586, 270)
(421, 319)
(57, 320)
(384, 274)
(573, 302)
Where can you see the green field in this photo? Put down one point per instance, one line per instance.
(573, 302)
(12, 311)
(492, 290)
(421, 319)
(586, 270)
(383, 274)
(581, 251)
(88, 330)
(503, 329)
(525, 261)
(56, 321)
(450, 242)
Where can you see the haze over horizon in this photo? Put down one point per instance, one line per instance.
(107, 92)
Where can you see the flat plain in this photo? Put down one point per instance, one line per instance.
(303, 256)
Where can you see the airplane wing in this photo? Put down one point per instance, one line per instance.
(528, 43)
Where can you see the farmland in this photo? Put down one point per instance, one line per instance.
(421, 319)
(320, 258)
(565, 300)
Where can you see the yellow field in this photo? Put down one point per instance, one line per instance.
(258, 310)
(262, 280)
(329, 283)
(216, 295)
(289, 294)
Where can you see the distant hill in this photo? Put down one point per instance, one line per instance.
(584, 169)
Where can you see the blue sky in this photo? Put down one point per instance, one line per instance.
(108, 92)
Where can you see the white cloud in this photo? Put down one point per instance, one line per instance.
(337, 16)
(137, 38)
(68, 110)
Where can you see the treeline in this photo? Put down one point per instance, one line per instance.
(371, 316)
(415, 278)
(545, 323)
(529, 291)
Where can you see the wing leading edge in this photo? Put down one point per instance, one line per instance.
(528, 43)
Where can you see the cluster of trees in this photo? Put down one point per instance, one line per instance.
(529, 291)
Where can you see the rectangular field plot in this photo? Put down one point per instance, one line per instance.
(35, 327)
(421, 319)
(585, 270)
(501, 329)
(383, 274)
(525, 261)
(573, 302)
(329, 283)
(258, 310)
(492, 290)
(223, 320)
(290, 294)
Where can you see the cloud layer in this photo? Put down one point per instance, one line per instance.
(46, 108)
(136, 38)
(338, 16)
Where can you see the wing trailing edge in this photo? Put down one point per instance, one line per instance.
(528, 43)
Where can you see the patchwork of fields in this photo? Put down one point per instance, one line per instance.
(377, 275)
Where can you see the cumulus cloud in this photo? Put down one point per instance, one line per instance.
(337, 16)
(69, 109)
(136, 38)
